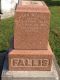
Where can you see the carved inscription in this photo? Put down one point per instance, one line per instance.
(32, 22)
(31, 27)
(21, 62)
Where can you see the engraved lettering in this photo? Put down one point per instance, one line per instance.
(16, 62)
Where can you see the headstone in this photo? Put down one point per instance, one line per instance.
(27, 62)
(31, 48)
(6, 8)
(8, 11)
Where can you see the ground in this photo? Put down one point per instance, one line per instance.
(7, 25)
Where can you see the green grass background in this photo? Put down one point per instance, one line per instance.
(7, 25)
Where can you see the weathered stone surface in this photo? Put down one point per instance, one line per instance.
(31, 28)
(30, 60)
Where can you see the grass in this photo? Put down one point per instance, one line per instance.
(54, 38)
(6, 31)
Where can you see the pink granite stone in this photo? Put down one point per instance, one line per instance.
(30, 60)
(31, 29)
(31, 32)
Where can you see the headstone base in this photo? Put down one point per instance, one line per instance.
(31, 75)
(30, 60)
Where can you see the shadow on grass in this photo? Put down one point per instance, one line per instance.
(52, 3)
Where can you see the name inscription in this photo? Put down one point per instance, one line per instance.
(21, 62)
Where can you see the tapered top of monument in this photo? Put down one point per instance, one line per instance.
(32, 3)
(32, 6)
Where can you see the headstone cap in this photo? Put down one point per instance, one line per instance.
(32, 6)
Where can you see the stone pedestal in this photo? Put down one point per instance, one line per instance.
(31, 75)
